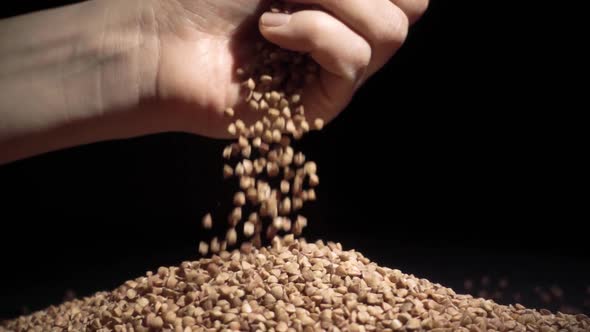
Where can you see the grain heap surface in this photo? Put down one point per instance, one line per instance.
(291, 286)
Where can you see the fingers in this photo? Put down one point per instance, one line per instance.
(331, 43)
(349, 39)
(380, 22)
(343, 55)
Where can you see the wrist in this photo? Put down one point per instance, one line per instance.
(128, 52)
(86, 67)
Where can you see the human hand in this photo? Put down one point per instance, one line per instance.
(202, 42)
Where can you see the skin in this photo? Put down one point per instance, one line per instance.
(121, 69)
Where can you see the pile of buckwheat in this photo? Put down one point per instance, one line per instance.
(290, 286)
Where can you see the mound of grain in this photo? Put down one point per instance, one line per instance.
(291, 286)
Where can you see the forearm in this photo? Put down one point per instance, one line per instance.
(68, 75)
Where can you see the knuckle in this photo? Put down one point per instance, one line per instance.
(417, 9)
(361, 59)
(317, 28)
(393, 30)
(422, 6)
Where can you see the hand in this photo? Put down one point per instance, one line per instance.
(202, 42)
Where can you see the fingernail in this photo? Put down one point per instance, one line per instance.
(274, 19)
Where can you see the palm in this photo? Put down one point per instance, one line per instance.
(199, 55)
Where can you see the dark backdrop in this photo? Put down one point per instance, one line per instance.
(457, 161)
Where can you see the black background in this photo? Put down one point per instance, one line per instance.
(458, 160)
